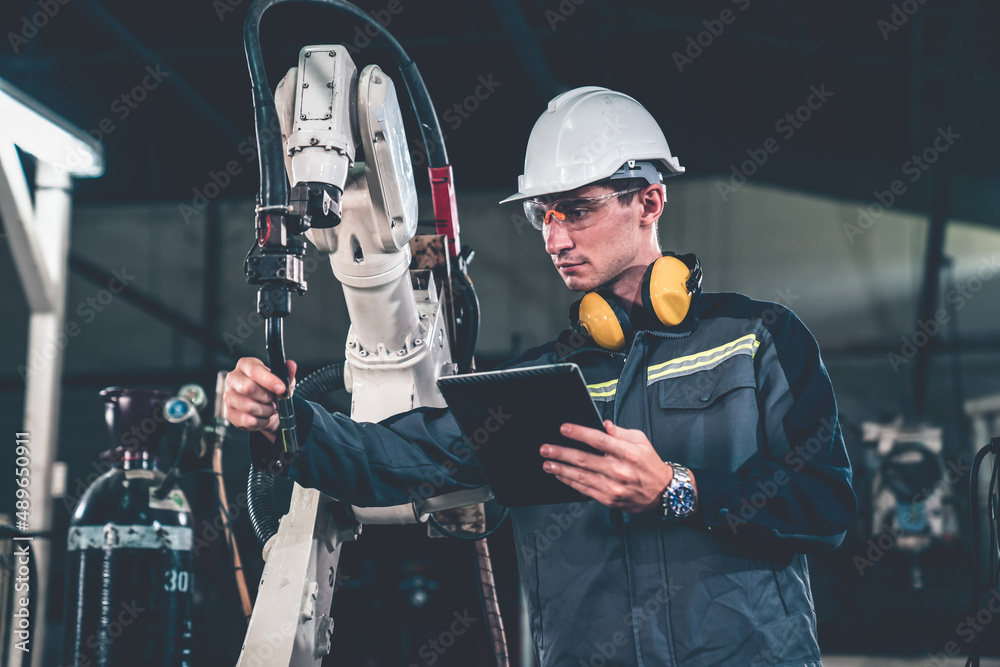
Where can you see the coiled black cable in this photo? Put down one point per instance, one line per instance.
(260, 505)
(467, 338)
(321, 382)
(260, 483)
(273, 181)
(994, 448)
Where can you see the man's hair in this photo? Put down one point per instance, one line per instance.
(623, 184)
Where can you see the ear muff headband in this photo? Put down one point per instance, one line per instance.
(604, 320)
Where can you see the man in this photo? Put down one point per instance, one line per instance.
(723, 457)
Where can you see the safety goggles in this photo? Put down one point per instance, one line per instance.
(572, 212)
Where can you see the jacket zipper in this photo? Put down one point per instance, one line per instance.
(667, 334)
(622, 355)
(626, 533)
(629, 565)
(594, 349)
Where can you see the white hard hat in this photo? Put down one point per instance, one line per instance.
(586, 135)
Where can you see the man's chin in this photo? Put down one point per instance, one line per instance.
(580, 284)
(579, 278)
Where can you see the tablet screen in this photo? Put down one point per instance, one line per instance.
(507, 415)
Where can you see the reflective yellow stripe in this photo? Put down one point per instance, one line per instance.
(708, 362)
(713, 351)
(603, 390)
(709, 357)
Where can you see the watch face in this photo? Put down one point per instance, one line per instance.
(682, 500)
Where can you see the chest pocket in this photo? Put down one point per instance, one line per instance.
(707, 418)
(703, 388)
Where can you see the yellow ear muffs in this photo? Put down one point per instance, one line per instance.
(668, 287)
(600, 315)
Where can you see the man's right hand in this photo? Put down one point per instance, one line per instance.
(250, 396)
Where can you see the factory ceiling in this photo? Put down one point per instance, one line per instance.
(861, 99)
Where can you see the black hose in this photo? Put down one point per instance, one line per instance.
(260, 484)
(274, 183)
(468, 336)
(191, 424)
(274, 344)
(260, 504)
(994, 448)
(321, 382)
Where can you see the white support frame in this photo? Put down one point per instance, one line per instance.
(39, 238)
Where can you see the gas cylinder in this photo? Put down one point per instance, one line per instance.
(129, 551)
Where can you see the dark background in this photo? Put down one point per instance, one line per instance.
(892, 89)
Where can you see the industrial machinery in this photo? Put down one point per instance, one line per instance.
(129, 566)
(130, 571)
(912, 496)
(334, 133)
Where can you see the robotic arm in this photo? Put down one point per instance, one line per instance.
(343, 153)
(325, 123)
(363, 216)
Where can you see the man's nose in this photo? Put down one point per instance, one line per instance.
(556, 238)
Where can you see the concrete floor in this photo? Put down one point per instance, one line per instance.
(884, 661)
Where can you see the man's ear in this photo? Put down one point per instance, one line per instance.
(652, 200)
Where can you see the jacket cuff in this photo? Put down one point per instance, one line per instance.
(269, 457)
(715, 496)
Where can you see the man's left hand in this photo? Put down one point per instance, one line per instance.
(630, 476)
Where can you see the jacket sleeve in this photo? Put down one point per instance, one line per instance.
(412, 455)
(796, 490)
(409, 456)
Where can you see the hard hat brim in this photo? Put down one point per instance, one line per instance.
(519, 196)
(673, 169)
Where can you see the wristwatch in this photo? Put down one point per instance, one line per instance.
(679, 499)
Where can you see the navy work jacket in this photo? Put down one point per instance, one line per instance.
(740, 396)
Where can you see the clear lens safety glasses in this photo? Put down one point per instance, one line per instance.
(576, 212)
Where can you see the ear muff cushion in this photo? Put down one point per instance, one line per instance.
(664, 290)
(604, 320)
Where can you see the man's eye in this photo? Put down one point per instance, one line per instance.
(577, 213)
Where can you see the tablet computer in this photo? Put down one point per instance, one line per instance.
(507, 415)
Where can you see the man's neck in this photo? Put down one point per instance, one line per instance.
(628, 286)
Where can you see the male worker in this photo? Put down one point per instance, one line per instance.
(723, 458)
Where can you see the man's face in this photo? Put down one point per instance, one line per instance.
(591, 257)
